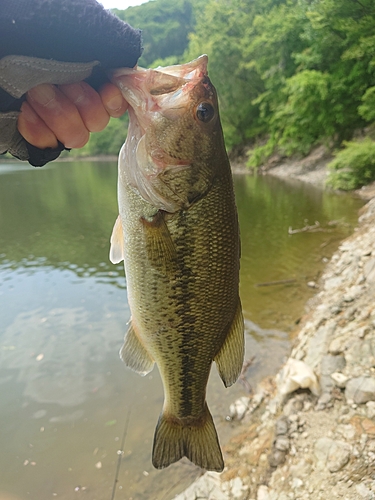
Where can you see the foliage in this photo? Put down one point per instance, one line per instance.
(297, 72)
(353, 166)
(165, 26)
(367, 109)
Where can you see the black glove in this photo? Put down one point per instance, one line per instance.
(57, 42)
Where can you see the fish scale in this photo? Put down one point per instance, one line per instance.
(181, 264)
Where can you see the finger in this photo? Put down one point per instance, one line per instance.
(34, 130)
(113, 100)
(59, 114)
(89, 105)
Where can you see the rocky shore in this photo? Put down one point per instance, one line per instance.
(309, 433)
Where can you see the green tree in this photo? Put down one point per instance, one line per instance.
(165, 26)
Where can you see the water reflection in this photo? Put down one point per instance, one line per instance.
(65, 395)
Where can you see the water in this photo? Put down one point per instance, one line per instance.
(65, 395)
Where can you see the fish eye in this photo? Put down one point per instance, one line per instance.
(205, 112)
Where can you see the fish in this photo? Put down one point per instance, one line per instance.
(178, 235)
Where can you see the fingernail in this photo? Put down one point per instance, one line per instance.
(28, 114)
(75, 92)
(43, 94)
(115, 103)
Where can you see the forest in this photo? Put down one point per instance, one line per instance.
(290, 75)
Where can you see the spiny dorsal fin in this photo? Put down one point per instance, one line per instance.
(116, 252)
(134, 354)
(229, 360)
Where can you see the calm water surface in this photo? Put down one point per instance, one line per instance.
(66, 398)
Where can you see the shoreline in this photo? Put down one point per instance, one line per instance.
(309, 432)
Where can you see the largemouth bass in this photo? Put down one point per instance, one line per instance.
(178, 235)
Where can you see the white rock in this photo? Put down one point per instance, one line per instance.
(207, 486)
(339, 379)
(263, 493)
(295, 375)
(238, 409)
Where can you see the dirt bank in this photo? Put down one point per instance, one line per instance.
(317, 441)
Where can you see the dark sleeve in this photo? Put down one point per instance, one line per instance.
(66, 31)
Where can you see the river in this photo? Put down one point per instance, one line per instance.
(67, 401)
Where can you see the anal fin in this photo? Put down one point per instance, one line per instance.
(134, 354)
(229, 360)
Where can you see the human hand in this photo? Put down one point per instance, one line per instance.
(68, 113)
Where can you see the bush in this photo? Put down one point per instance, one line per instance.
(353, 166)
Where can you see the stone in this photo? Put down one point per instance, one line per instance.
(331, 454)
(296, 483)
(282, 443)
(339, 455)
(295, 375)
(237, 487)
(332, 363)
(369, 270)
(338, 345)
(321, 451)
(238, 409)
(339, 379)
(360, 389)
(363, 491)
(318, 344)
(276, 457)
(331, 283)
(323, 401)
(281, 426)
(370, 409)
(300, 469)
(207, 486)
(263, 492)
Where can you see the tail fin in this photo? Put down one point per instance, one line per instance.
(196, 441)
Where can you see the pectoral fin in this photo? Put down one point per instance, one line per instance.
(116, 252)
(160, 246)
(229, 360)
(134, 354)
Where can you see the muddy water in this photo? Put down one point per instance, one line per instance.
(66, 400)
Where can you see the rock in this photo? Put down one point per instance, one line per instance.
(360, 390)
(295, 375)
(276, 457)
(331, 454)
(338, 345)
(300, 469)
(364, 492)
(318, 343)
(370, 405)
(339, 379)
(323, 401)
(330, 364)
(238, 409)
(237, 487)
(331, 283)
(297, 483)
(263, 493)
(321, 451)
(369, 270)
(281, 426)
(339, 455)
(282, 443)
(207, 486)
